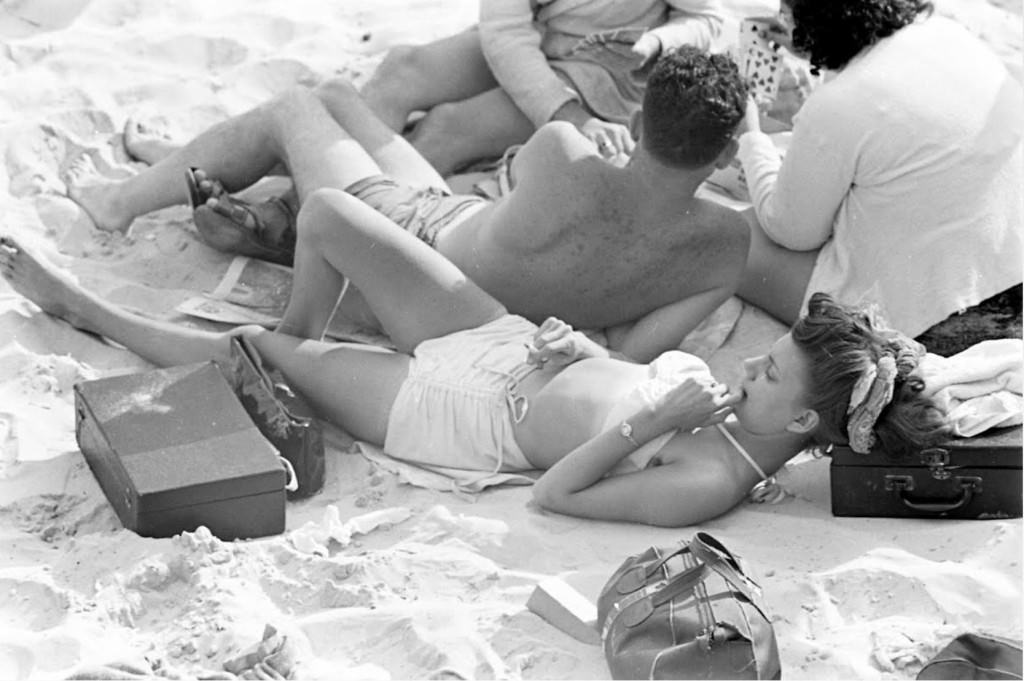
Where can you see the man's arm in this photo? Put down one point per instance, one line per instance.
(666, 327)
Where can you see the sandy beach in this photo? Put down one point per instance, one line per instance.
(374, 577)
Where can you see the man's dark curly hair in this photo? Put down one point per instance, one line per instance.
(832, 32)
(692, 105)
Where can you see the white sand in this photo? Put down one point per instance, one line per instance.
(427, 583)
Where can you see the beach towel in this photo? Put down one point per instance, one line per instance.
(979, 388)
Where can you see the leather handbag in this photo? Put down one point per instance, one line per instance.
(281, 415)
(686, 611)
(974, 656)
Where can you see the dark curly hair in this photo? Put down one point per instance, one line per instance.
(841, 344)
(832, 32)
(692, 105)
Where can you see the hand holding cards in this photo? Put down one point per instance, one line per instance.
(759, 60)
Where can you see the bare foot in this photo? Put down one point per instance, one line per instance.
(148, 143)
(97, 195)
(42, 282)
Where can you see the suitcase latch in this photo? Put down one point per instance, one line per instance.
(899, 483)
(937, 459)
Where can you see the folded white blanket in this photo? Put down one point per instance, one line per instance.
(979, 388)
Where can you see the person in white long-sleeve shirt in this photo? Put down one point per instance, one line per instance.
(902, 184)
(529, 62)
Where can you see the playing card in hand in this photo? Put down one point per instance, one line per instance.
(759, 61)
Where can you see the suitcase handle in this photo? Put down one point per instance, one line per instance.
(969, 485)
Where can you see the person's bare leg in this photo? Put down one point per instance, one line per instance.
(389, 150)
(418, 78)
(414, 291)
(350, 385)
(237, 152)
(453, 135)
(775, 278)
(58, 294)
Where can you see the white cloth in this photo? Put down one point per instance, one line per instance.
(979, 388)
(453, 413)
(519, 37)
(906, 170)
(666, 372)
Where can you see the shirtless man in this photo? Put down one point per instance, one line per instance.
(629, 249)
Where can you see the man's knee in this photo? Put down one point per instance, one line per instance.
(447, 121)
(282, 107)
(401, 70)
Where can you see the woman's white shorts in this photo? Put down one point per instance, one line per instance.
(456, 408)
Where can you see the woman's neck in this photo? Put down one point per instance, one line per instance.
(769, 451)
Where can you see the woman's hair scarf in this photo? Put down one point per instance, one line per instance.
(874, 389)
(871, 393)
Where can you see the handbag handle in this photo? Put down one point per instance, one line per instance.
(638, 576)
(680, 583)
(637, 607)
(712, 554)
(715, 555)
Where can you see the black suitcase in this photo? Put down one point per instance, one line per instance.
(965, 478)
(173, 449)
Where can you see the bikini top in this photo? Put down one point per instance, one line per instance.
(664, 373)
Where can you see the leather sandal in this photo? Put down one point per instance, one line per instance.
(244, 231)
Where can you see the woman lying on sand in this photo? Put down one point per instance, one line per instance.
(473, 387)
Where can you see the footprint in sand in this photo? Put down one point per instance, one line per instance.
(30, 605)
(149, 140)
(16, 662)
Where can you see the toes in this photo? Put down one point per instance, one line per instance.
(224, 206)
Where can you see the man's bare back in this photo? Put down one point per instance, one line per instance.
(597, 245)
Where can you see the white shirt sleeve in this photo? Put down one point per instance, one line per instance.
(796, 198)
(691, 22)
(511, 45)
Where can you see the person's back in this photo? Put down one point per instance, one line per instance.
(582, 240)
(936, 143)
(598, 245)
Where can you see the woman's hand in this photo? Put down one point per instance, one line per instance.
(647, 49)
(556, 344)
(751, 121)
(695, 403)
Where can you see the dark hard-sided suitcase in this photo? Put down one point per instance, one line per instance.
(173, 449)
(966, 478)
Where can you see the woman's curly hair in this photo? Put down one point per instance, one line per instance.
(840, 344)
(832, 32)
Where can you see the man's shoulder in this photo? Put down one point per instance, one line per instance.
(557, 153)
(716, 219)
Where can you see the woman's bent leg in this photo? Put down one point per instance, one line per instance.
(413, 290)
(351, 385)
